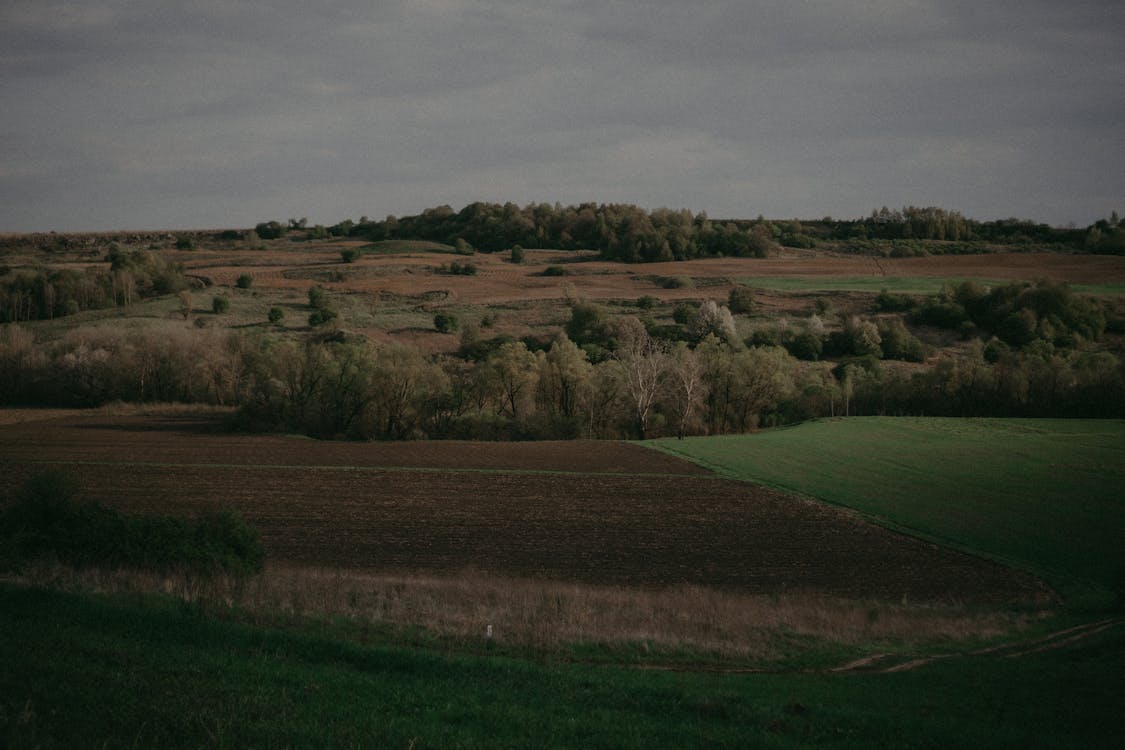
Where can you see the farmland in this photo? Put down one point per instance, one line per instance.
(841, 580)
(581, 511)
(1023, 491)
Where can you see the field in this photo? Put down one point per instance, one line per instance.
(632, 598)
(578, 512)
(394, 288)
(1041, 494)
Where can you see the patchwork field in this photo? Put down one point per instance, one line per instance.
(591, 512)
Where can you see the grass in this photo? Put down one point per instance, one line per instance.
(1042, 494)
(94, 671)
(897, 284)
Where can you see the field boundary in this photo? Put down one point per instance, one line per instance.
(1048, 578)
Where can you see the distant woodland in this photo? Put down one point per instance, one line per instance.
(1017, 349)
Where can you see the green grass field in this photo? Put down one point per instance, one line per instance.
(1045, 495)
(100, 671)
(898, 284)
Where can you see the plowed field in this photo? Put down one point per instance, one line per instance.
(594, 512)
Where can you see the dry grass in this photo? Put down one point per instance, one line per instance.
(472, 608)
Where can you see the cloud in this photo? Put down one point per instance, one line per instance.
(128, 113)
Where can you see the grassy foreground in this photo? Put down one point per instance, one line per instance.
(1042, 494)
(97, 671)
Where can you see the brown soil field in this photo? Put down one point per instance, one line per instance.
(499, 282)
(582, 512)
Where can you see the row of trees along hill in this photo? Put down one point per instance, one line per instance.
(632, 234)
(41, 294)
(605, 376)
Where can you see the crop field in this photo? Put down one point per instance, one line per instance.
(585, 512)
(1042, 494)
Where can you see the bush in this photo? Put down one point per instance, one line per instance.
(184, 242)
(446, 322)
(517, 254)
(276, 315)
(349, 254)
(46, 522)
(219, 305)
(270, 230)
(678, 282)
(554, 271)
(741, 300)
(244, 281)
(321, 315)
(646, 302)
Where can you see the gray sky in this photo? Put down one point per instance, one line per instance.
(146, 114)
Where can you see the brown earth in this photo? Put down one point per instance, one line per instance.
(500, 282)
(630, 517)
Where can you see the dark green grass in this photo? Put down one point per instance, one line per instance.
(88, 671)
(898, 284)
(1043, 494)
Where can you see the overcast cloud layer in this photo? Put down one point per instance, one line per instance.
(219, 113)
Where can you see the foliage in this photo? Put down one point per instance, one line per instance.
(446, 322)
(245, 281)
(220, 304)
(270, 230)
(349, 254)
(517, 254)
(740, 300)
(46, 521)
(275, 315)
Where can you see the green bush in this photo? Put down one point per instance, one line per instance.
(219, 305)
(245, 281)
(276, 315)
(517, 254)
(349, 254)
(47, 522)
(446, 322)
(554, 271)
(741, 300)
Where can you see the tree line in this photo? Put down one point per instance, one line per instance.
(603, 376)
(628, 233)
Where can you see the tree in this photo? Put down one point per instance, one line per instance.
(686, 387)
(741, 300)
(715, 319)
(512, 371)
(185, 304)
(564, 380)
(644, 369)
(276, 315)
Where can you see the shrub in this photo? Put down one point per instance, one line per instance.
(219, 305)
(554, 271)
(741, 300)
(275, 315)
(321, 315)
(349, 254)
(446, 322)
(517, 254)
(646, 302)
(47, 522)
(244, 281)
(270, 230)
(184, 242)
(678, 282)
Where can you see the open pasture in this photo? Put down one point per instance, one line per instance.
(584, 512)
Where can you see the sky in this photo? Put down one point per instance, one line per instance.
(145, 114)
